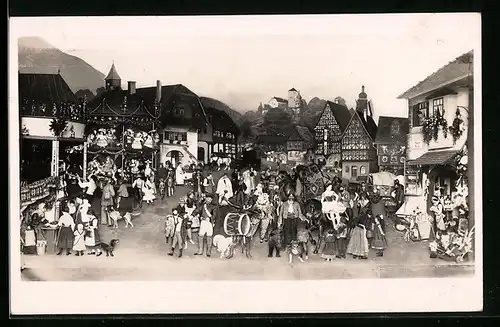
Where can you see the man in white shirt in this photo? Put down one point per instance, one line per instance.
(225, 187)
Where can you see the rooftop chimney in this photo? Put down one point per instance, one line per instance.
(158, 91)
(131, 87)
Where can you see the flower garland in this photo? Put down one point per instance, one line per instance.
(457, 128)
(431, 127)
(57, 125)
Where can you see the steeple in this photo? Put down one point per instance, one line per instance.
(362, 103)
(113, 80)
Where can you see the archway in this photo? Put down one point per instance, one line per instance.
(174, 156)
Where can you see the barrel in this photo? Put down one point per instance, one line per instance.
(236, 224)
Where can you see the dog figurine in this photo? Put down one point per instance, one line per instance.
(223, 245)
(274, 242)
(108, 248)
(295, 250)
(115, 216)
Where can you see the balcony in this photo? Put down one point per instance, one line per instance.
(70, 111)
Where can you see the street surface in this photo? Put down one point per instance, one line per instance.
(141, 255)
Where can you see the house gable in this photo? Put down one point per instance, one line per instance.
(357, 144)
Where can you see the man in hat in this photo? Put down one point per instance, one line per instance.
(289, 213)
(207, 214)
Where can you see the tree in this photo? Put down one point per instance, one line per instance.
(277, 120)
(340, 100)
(84, 93)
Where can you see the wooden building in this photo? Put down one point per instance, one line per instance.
(359, 155)
(225, 134)
(328, 131)
(391, 143)
(299, 141)
(275, 143)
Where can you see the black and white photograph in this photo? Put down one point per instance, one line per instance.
(245, 164)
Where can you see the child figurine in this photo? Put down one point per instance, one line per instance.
(122, 193)
(341, 242)
(169, 228)
(379, 242)
(329, 250)
(179, 233)
(79, 240)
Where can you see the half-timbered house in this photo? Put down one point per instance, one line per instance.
(225, 134)
(328, 131)
(359, 155)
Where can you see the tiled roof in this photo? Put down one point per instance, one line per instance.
(280, 99)
(341, 113)
(460, 67)
(302, 134)
(385, 133)
(370, 125)
(113, 74)
(271, 139)
(44, 88)
(434, 158)
(170, 95)
(220, 120)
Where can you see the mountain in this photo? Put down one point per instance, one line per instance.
(38, 56)
(216, 104)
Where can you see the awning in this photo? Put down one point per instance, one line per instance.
(434, 158)
(411, 204)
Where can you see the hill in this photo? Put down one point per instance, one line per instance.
(36, 55)
(216, 104)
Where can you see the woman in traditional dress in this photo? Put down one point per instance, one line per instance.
(148, 191)
(376, 204)
(179, 174)
(107, 199)
(329, 250)
(92, 238)
(379, 242)
(358, 243)
(66, 226)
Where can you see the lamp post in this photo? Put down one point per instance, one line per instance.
(470, 167)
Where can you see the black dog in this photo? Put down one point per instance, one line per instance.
(274, 242)
(108, 248)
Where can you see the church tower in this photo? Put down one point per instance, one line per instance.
(362, 103)
(113, 80)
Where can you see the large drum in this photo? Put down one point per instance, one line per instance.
(236, 224)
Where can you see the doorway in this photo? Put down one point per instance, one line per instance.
(175, 157)
(201, 154)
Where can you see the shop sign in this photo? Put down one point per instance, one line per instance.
(391, 160)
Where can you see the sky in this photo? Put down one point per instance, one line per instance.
(245, 60)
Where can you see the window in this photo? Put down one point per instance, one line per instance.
(362, 170)
(347, 169)
(354, 171)
(178, 111)
(420, 111)
(175, 136)
(336, 164)
(437, 107)
(325, 134)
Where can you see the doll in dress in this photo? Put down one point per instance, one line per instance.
(102, 140)
(148, 141)
(79, 240)
(330, 204)
(137, 143)
(329, 250)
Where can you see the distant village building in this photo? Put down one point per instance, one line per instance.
(328, 131)
(277, 102)
(391, 143)
(275, 143)
(359, 155)
(299, 141)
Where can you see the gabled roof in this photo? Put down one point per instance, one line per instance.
(279, 99)
(301, 133)
(369, 125)
(459, 68)
(221, 121)
(141, 103)
(113, 74)
(44, 88)
(386, 133)
(341, 114)
(293, 89)
(271, 139)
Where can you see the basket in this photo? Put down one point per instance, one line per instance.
(41, 247)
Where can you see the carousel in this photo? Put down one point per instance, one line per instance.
(120, 144)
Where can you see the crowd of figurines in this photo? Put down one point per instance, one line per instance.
(103, 137)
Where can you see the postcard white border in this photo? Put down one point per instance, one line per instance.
(323, 296)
